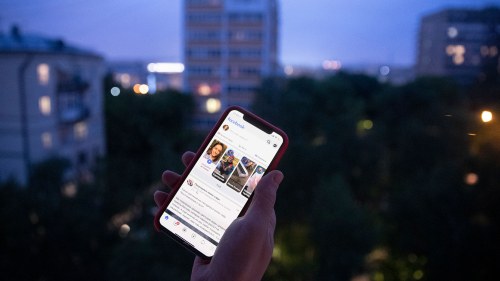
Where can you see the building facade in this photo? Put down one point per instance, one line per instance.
(460, 43)
(229, 46)
(51, 105)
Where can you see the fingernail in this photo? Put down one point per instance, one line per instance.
(278, 177)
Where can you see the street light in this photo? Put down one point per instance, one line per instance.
(486, 116)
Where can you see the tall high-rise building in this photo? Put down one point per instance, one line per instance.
(51, 105)
(460, 43)
(229, 46)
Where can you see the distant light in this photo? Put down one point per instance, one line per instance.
(204, 89)
(418, 274)
(46, 140)
(69, 190)
(136, 88)
(452, 32)
(384, 70)
(125, 80)
(288, 70)
(486, 116)
(367, 124)
(115, 91)
(331, 65)
(213, 105)
(43, 71)
(458, 60)
(143, 89)
(124, 230)
(457, 52)
(80, 130)
(471, 178)
(152, 83)
(44, 105)
(166, 67)
(472, 134)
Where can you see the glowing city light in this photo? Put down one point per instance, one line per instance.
(69, 190)
(125, 80)
(136, 88)
(331, 65)
(204, 89)
(384, 70)
(452, 32)
(457, 53)
(166, 67)
(124, 230)
(486, 116)
(471, 178)
(43, 73)
(143, 89)
(367, 124)
(44, 105)
(213, 105)
(288, 70)
(115, 91)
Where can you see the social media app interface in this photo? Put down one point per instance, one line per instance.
(220, 183)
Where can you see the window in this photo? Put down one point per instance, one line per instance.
(245, 53)
(46, 140)
(245, 17)
(81, 130)
(44, 105)
(245, 35)
(201, 70)
(203, 18)
(203, 53)
(43, 72)
(203, 35)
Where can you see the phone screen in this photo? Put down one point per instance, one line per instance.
(221, 182)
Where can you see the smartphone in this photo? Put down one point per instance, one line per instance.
(218, 185)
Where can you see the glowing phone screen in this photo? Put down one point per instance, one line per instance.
(220, 183)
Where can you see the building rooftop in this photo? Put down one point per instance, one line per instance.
(17, 42)
(486, 15)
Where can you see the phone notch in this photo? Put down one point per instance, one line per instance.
(258, 123)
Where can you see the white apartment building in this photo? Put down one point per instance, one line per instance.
(51, 104)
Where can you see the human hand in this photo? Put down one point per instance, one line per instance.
(246, 247)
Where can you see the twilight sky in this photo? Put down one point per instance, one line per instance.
(352, 31)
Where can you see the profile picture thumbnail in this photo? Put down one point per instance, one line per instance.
(214, 151)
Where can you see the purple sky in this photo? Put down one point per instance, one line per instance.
(352, 31)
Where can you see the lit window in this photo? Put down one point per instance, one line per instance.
(43, 73)
(204, 89)
(80, 130)
(213, 105)
(458, 60)
(46, 140)
(457, 53)
(44, 105)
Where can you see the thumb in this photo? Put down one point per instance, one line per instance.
(265, 194)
